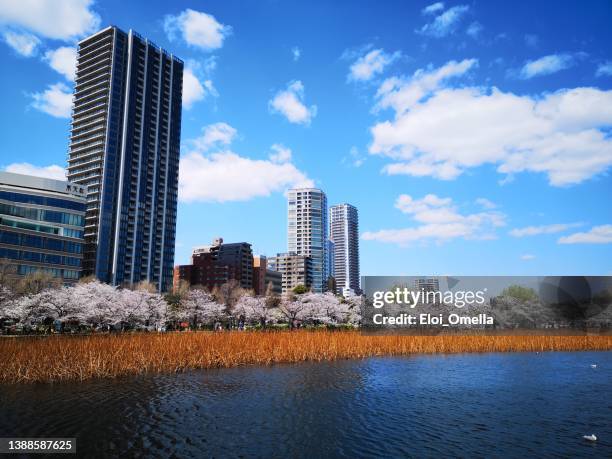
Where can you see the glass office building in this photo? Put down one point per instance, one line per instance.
(41, 225)
(124, 145)
(307, 231)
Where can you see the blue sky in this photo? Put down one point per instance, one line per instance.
(474, 137)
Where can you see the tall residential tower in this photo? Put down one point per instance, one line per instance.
(124, 145)
(344, 233)
(307, 231)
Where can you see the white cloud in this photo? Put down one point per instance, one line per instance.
(546, 65)
(474, 29)
(198, 29)
(280, 154)
(215, 135)
(223, 175)
(56, 100)
(374, 62)
(296, 53)
(528, 257)
(25, 43)
(193, 91)
(57, 19)
(433, 8)
(52, 172)
(401, 94)
(290, 103)
(604, 69)
(485, 203)
(441, 132)
(445, 23)
(197, 84)
(438, 220)
(226, 176)
(597, 235)
(542, 229)
(63, 60)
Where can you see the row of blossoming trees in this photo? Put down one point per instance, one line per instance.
(101, 306)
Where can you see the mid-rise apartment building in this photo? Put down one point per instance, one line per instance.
(41, 226)
(295, 270)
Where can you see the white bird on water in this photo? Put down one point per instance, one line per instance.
(591, 437)
(593, 365)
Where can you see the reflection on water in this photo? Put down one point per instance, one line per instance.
(432, 406)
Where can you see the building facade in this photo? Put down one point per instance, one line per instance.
(260, 267)
(124, 146)
(216, 264)
(344, 233)
(295, 270)
(41, 226)
(307, 231)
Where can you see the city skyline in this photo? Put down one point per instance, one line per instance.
(268, 114)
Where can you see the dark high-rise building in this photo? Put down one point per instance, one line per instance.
(344, 233)
(124, 145)
(216, 264)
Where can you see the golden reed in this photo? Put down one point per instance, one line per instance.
(64, 358)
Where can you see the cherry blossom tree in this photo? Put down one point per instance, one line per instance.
(255, 309)
(200, 307)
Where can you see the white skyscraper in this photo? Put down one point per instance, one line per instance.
(344, 233)
(307, 231)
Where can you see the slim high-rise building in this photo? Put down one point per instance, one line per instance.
(124, 145)
(307, 231)
(344, 232)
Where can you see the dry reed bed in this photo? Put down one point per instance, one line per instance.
(63, 358)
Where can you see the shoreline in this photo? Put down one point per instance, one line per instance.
(34, 359)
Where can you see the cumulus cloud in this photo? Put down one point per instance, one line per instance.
(373, 63)
(546, 65)
(215, 135)
(56, 100)
(438, 220)
(63, 60)
(290, 103)
(57, 19)
(198, 29)
(597, 235)
(542, 229)
(197, 83)
(280, 153)
(24, 43)
(433, 8)
(445, 23)
(604, 69)
(401, 94)
(53, 172)
(440, 131)
(211, 172)
(296, 53)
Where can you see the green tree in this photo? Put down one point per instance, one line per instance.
(300, 289)
(520, 293)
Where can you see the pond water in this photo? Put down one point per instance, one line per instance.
(469, 405)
